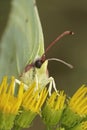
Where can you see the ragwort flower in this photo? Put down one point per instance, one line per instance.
(9, 103)
(76, 110)
(31, 106)
(53, 109)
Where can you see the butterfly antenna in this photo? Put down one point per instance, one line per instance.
(59, 60)
(58, 38)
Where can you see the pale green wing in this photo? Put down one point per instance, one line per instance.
(22, 40)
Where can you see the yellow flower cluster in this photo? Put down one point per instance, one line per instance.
(15, 102)
(8, 102)
(30, 100)
(18, 107)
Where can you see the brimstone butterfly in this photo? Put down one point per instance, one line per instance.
(22, 46)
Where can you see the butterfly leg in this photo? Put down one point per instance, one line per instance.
(19, 82)
(51, 84)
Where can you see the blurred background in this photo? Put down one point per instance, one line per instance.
(57, 16)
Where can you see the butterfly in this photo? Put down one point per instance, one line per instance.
(37, 70)
(22, 47)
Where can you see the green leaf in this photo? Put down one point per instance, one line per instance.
(22, 40)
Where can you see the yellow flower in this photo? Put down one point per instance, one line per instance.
(78, 103)
(76, 110)
(53, 109)
(33, 100)
(31, 106)
(56, 101)
(9, 103)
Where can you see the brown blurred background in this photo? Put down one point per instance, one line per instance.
(57, 16)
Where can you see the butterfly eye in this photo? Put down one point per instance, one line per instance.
(38, 63)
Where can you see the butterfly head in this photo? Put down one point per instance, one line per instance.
(38, 63)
